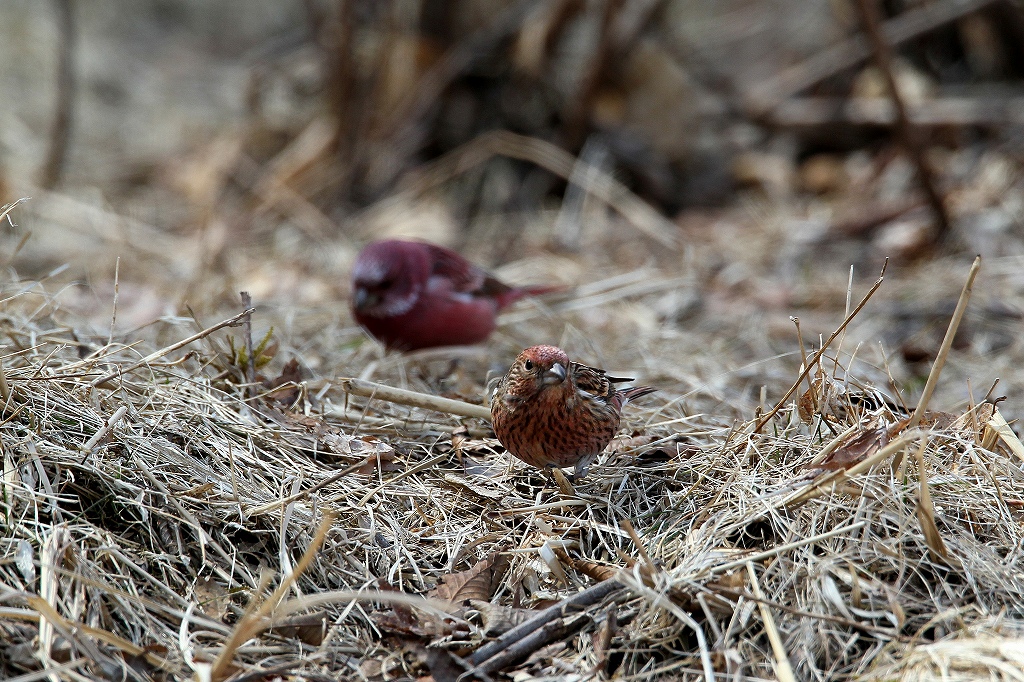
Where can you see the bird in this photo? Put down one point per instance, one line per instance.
(412, 294)
(551, 412)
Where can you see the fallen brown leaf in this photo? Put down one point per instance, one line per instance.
(308, 627)
(401, 619)
(497, 618)
(859, 448)
(926, 511)
(284, 388)
(478, 582)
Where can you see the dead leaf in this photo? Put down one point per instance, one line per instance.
(826, 398)
(479, 582)
(310, 424)
(926, 511)
(975, 418)
(733, 580)
(836, 402)
(375, 452)
(807, 406)
(591, 569)
(629, 444)
(370, 668)
(464, 445)
(595, 571)
(859, 448)
(285, 388)
(141, 665)
(602, 639)
(212, 598)
(384, 460)
(939, 421)
(401, 619)
(442, 665)
(308, 627)
(497, 618)
(478, 490)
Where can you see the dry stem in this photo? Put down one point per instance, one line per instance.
(368, 389)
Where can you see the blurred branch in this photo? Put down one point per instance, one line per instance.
(555, 160)
(409, 114)
(940, 111)
(868, 218)
(577, 113)
(765, 97)
(907, 133)
(621, 24)
(60, 131)
(341, 78)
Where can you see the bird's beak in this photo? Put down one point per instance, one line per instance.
(555, 375)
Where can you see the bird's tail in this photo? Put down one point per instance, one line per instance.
(627, 394)
(513, 294)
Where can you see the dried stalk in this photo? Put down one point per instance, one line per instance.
(368, 389)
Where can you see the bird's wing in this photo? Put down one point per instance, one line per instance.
(592, 383)
(463, 275)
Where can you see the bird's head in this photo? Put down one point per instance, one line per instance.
(538, 368)
(387, 277)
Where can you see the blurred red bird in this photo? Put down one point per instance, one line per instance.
(412, 295)
(551, 412)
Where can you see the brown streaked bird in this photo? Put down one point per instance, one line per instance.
(551, 412)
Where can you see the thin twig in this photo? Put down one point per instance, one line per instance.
(782, 549)
(425, 464)
(277, 504)
(64, 107)
(947, 343)
(575, 603)
(826, 482)
(926, 510)
(204, 536)
(5, 389)
(555, 160)
(870, 112)
(257, 621)
(575, 116)
(369, 389)
(519, 650)
(817, 355)
(783, 669)
(848, 53)
(905, 130)
(250, 364)
(103, 431)
(230, 322)
(113, 312)
(627, 526)
(874, 629)
(399, 423)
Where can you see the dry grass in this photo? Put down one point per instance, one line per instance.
(157, 524)
(164, 515)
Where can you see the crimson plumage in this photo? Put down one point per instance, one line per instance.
(412, 295)
(551, 412)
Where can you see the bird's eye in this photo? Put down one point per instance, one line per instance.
(528, 365)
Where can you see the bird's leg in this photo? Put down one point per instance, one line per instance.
(563, 482)
(582, 467)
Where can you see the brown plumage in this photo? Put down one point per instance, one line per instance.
(551, 412)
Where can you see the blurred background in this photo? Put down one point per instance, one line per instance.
(709, 168)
